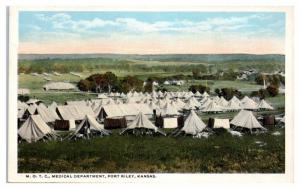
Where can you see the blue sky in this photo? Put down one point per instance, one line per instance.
(54, 27)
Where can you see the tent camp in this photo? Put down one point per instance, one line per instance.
(192, 125)
(264, 105)
(246, 119)
(88, 128)
(34, 129)
(142, 125)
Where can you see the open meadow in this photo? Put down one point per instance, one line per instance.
(222, 153)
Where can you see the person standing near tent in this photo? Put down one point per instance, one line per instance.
(85, 132)
(88, 131)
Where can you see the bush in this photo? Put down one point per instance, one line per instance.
(23, 98)
(84, 85)
(275, 79)
(261, 93)
(273, 90)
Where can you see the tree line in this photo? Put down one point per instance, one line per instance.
(109, 82)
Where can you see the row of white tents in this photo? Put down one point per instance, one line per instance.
(118, 107)
(76, 110)
(35, 128)
(154, 94)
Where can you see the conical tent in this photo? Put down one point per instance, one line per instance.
(190, 105)
(205, 103)
(246, 119)
(169, 109)
(205, 94)
(195, 101)
(264, 105)
(222, 102)
(53, 105)
(212, 107)
(198, 94)
(153, 106)
(179, 103)
(192, 125)
(282, 119)
(102, 96)
(141, 121)
(249, 104)
(161, 103)
(34, 129)
(233, 105)
(89, 125)
(234, 98)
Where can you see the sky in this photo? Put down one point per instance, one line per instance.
(151, 32)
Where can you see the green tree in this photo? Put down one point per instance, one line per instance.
(84, 85)
(131, 83)
(273, 90)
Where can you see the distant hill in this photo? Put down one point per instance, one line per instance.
(164, 57)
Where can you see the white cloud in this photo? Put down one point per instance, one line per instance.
(97, 27)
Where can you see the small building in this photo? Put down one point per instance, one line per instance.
(59, 86)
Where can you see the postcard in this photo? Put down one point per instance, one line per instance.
(193, 94)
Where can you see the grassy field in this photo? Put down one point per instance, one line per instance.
(221, 153)
(35, 83)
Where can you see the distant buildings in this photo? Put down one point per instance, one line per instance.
(174, 82)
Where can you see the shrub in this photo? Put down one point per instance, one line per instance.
(273, 90)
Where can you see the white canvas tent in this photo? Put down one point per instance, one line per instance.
(246, 119)
(169, 110)
(212, 107)
(248, 103)
(264, 105)
(89, 127)
(34, 129)
(74, 112)
(233, 105)
(121, 110)
(192, 125)
(221, 123)
(102, 96)
(222, 102)
(142, 122)
(47, 114)
(33, 101)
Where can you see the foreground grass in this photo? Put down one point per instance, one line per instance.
(218, 154)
